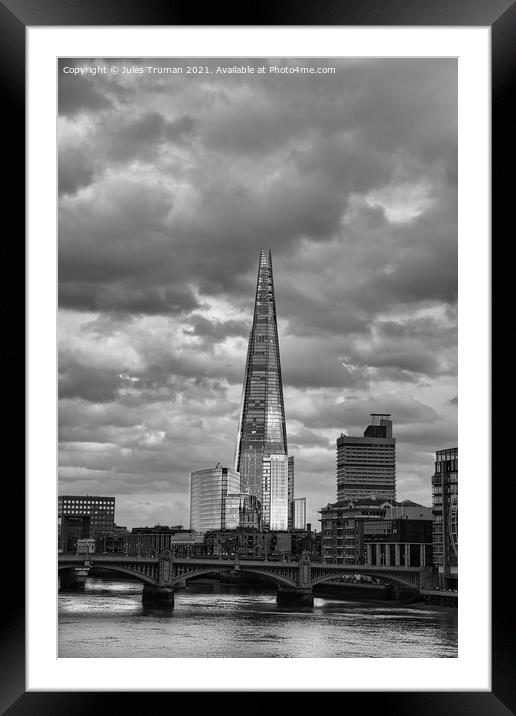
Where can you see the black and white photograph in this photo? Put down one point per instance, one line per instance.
(257, 357)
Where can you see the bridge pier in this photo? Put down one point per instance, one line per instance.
(73, 579)
(301, 595)
(290, 596)
(158, 596)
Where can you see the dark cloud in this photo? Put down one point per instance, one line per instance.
(78, 94)
(96, 384)
(126, 297)
(138, 139)
(353, 414)
(75, 170)
(319, 158)
(305, 439)
(426, 438)
(143, 136)
(317, 363)
(159, 376)
(215, 331)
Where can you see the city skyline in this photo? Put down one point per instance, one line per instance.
(169, 187)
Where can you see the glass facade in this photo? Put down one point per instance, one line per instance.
(277, 518)
(445, 515)
(291, 492)
(262, 436)
(300, 513)
(209, 489)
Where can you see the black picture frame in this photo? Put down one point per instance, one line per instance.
(500, 16)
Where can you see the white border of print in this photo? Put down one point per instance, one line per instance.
(471, 670)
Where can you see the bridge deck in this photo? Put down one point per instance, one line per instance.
(229, 563)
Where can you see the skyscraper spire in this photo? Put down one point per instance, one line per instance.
(261, 450)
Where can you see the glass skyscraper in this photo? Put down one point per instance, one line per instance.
(209, 489)
(261, 451)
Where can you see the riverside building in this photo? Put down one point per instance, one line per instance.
(444, 509)
(397, 542)
(342, 538)
(94, 513)
(374, 532)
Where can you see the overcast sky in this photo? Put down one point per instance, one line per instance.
(169, 186)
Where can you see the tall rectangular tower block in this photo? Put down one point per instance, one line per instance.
(366, 465)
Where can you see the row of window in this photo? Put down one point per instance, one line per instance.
(73, 501)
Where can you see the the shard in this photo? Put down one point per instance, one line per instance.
(261, 451)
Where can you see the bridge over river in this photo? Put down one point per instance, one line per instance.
(163, 573)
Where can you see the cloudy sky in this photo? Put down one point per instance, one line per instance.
(169, 186)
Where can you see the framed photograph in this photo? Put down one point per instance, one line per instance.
(255, 245)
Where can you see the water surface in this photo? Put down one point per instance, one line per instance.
(213, 620)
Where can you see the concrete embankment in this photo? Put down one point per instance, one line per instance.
(436, 597)
(354, 591)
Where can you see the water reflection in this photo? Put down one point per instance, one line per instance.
(212, 620)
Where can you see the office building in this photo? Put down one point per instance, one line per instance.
(342, 538)
(291, 492)
(397, 542)
(261, 447)
(367, 465)
(99, 509)
(372, 531)
(151, 539)
(299, 513)
(445, 511)
(209, 489)
(275, 492)
(71, 529)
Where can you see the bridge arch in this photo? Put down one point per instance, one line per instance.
(389, 578)
(139, 576)
(266, 575)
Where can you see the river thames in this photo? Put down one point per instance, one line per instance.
(212, 620)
